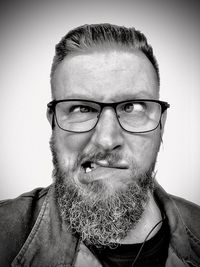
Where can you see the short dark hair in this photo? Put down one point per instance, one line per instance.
(87, 37)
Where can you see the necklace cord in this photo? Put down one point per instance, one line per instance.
(140, 250)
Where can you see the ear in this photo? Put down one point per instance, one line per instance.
(50, 117)
(162, 122)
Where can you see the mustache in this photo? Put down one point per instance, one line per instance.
(92, 155)
(96, 155)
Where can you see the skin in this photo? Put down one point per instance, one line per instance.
(110, 76)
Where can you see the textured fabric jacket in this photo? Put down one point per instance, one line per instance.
(32, 232)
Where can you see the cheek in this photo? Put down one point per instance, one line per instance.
(70, 145)
(144, 148)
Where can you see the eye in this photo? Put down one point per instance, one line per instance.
(134, 107)
(81, 109)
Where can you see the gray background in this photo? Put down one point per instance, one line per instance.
(29, 31)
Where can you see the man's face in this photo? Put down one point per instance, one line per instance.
(120, 158)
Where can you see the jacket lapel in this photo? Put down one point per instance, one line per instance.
(49, 243)
(182, 242)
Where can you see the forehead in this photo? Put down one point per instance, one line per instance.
(105, 76)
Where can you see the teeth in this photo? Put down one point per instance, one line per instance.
(93, 165)
(88, 169)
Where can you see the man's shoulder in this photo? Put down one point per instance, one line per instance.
(35, 193)
(185, 204)
(179, 211)
(17, 217)
(189, 212)
(20, 205)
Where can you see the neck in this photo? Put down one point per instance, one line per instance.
(150, 218)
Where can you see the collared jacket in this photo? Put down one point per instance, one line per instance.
(32, 233)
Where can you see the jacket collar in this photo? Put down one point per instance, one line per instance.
(182, 241)
(50, 241)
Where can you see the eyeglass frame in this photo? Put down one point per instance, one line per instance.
(52, 106)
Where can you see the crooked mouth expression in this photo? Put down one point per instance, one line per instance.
(102, 169)
(89, 166)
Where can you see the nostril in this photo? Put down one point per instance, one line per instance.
(117, 146)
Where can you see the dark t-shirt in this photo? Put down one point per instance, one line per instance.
(154, 252)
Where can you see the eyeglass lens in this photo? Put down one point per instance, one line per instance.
(133, 116)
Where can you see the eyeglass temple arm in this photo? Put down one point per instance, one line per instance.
(164, 108)
(51, 111)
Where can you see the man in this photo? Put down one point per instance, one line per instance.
(105, 207)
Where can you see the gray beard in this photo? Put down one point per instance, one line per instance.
(100, 220)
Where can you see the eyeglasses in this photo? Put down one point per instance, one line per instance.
(135, 116)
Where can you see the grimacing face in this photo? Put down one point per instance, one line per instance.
(106, 76)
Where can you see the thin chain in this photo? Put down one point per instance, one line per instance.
(140, 250)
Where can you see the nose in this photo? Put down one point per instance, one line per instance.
(108, 134)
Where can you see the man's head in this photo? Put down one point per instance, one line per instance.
(104, 154)
(88, 38)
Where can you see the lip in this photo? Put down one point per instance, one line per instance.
(103, 163)
(103, 172)
(120, 165)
